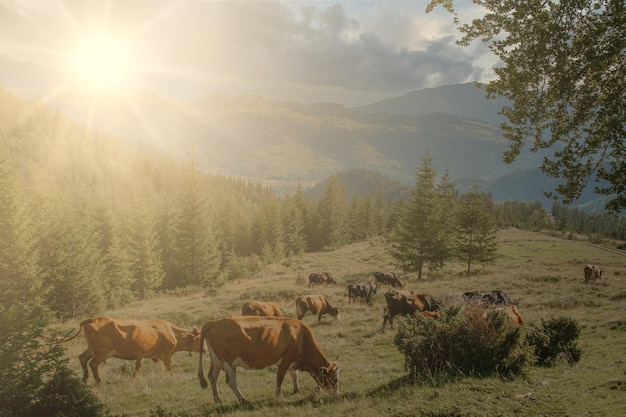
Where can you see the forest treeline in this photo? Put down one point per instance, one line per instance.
(89, 222)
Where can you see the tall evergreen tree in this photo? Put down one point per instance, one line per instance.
(476, 230)
(333, 216)
(72, 261)
(196, 257)
(269, 235)
(310, 218)
(417, 239)
(293, 225)
(117, 273)
(143, 242)
(20, 278)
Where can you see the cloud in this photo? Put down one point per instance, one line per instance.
(360, 46)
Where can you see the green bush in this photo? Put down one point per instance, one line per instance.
(66, 395)
(554, 340)
(461, 342)
(35, 379)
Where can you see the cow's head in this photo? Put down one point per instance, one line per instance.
(334, 312)
(328, 377)
(191, 341)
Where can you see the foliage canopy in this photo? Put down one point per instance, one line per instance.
(564, 72)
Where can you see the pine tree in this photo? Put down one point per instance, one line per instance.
(310, 218)
(196, 258)
(20, 278)
(293, 225)
(72, 262)
(143, 242)
(476, 230)
(417, 238)
(117, 273)
(269, 235)
(333, 216)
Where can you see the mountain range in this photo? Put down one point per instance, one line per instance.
(284, 143)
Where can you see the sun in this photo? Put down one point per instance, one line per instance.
(102, 62)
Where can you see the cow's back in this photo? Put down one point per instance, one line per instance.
(316, 303)
(256, 341)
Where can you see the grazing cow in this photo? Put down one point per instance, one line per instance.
(329, 278)
(257, 308)
(321, 278)
(495, 297)
(592, 273)
(259, 342)
(385, 278)
(363, 290)
(317, 304)
(403, 303)
(133, 339)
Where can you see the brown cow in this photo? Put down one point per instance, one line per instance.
(317, 304)
(592, 273)
(259, 342)
(403, 303)
(388, 278)
(257, 308)
(321, 278)
(133, 339)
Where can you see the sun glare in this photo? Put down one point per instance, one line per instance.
(102, 62)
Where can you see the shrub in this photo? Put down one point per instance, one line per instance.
(35, 379)
(461, 342)
(66, 395)
(555, 339)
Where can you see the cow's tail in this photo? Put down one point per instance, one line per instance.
(68, 338)
(203, 382)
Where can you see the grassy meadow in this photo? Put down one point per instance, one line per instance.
(543, 272)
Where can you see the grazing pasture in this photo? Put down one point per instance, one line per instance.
(543, 273)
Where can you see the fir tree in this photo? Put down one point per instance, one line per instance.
(195, 241)
(417, 238)
(476, 230)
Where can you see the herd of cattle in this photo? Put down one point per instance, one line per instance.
(261, 336)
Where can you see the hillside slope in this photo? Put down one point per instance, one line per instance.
(543, 272)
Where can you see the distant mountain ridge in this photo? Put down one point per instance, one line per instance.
(283, 144)
(466, 100)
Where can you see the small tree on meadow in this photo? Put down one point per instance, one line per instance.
(476, 230)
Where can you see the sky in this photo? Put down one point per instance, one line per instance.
(348, 52)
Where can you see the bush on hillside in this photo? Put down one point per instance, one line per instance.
(35, 378)
(66, 395)
(556, 339)
(461, 342)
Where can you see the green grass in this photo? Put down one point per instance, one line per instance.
(543, 272)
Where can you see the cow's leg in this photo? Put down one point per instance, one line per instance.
(280, 376)
(214, 373)
(167, 361)
(301, 311)
(137, 366)
(84, 358)
(94, 364)
(294, 377)
(231, 380)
